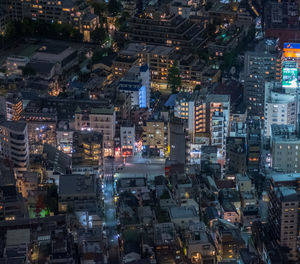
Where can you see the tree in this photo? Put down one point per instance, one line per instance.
(114, 7)
(51, 199)
(28, 71)
(99, 35)
(174, 79)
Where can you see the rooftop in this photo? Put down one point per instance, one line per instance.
(183, 212)
(14, 125)
(75, 184)
(17, 236)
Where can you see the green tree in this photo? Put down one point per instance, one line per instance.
(51, 199)
(99, 35)
(114, 7)
(10, 31)
(174, 79)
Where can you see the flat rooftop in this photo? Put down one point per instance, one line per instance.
(183, 212)
(15, 126)
(17, 236)
(75, 184)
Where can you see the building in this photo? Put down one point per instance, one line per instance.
(13, 106)
(64, 57)
(78, 14)
(181, 216)
(282, 215)
(155, 137)
(280, 107)
(284, 150)
(99, 119)
(88, 152)
(159, 28)
(262, 64)
(14, 144)
(253, 145)
(236, 154)
(177, 141)
(76, 187)
(199, 245)
(15, 64)
(127, 137)
(226, 41)
(137, 83)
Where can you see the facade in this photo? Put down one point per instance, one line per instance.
(101, 120)
(137, 84)
(14, 144)
(280, 107)
(167, 30)
(127, 137)
(87, 153)
(285, 155)
(14, 107)
(155, 137)
(260, 65)
(283, 216)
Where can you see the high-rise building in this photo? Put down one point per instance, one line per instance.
(262, 64)
(14, 144)
(283, 215)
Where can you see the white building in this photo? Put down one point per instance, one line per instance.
(137, 83)
(280, 107)
(14, 144)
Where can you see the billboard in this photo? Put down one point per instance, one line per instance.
(290, 77)
(291, 50)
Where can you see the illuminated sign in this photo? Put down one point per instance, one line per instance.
(289, 77)
(291, 50)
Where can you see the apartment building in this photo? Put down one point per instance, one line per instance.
(14, 107)
(99, 119)
(280, 107)
(205, 114)
(283, 213)
(167, 30)
(137, 84)
(155, 137)
(261, 64)
(76, 13)
(14, 144)
(285, 145)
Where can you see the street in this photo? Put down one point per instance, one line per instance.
(110, 213)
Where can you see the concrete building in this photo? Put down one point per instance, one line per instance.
(76, 187)
(15, 64)
(282, 214)
(137, 83)
(99, 119)
(280, 107)
(199, 246)
(88, 152)
(127, 136)
(64, 57)
(13, 106)
(262, 64)
(14, 144)
(176, 31)
(181, 216)
(285, 145)
(236, 154)
(155, 137)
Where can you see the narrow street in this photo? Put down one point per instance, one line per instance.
(110, 213)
